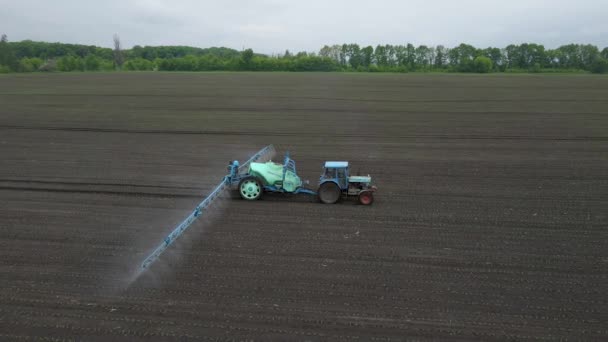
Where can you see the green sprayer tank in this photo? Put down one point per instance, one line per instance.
(271, 173)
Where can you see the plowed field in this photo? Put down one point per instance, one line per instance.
(490, 223)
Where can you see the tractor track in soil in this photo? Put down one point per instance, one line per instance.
(489, 223)
(288, 134)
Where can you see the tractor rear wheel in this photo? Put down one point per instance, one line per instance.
(329, 193)
(250, 188)
(366, 197)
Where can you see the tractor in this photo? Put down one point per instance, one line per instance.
(336, 182)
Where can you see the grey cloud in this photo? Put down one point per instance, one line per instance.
(272, 26)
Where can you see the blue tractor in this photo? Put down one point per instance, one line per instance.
(336, 182)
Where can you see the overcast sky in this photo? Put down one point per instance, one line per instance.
(271, 26)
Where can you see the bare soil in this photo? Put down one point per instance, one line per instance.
(490, 222)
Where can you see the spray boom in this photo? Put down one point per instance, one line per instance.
(233, 177)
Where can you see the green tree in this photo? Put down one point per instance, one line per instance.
(332, 52)
(136, 52)
(422, 57)
(165, 64)
(25, 65)
(511, 56)
(46, 51)
(187, 63)
(461, 58)
(367, 54)
(441, 56)
(575, 56)
(140, 64)
(353, 55)
(536, 68)
(496, 56)
(92, 63)
(552, 59)
(70, 63)
(384, 57)
(381, 56)
(325, 51)
(30, 64)
(7, 56)
(410, 57)
(482, 64)
(600, 66)
(106, 65)
(588, 54)
(392, 55)
(530, 54)
(314, 63)
(210, 62)
(246, 59)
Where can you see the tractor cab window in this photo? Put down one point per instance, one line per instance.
(330, 173)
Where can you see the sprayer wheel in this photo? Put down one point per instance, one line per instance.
(250, 188)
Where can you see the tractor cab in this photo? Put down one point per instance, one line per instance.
(336, 172)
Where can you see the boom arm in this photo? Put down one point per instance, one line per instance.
(228, 180)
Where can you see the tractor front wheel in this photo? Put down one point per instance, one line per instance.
(250, 188)
(329, 193)
(366, 197)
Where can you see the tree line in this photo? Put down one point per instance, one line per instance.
(466, 58)
(30, 56)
